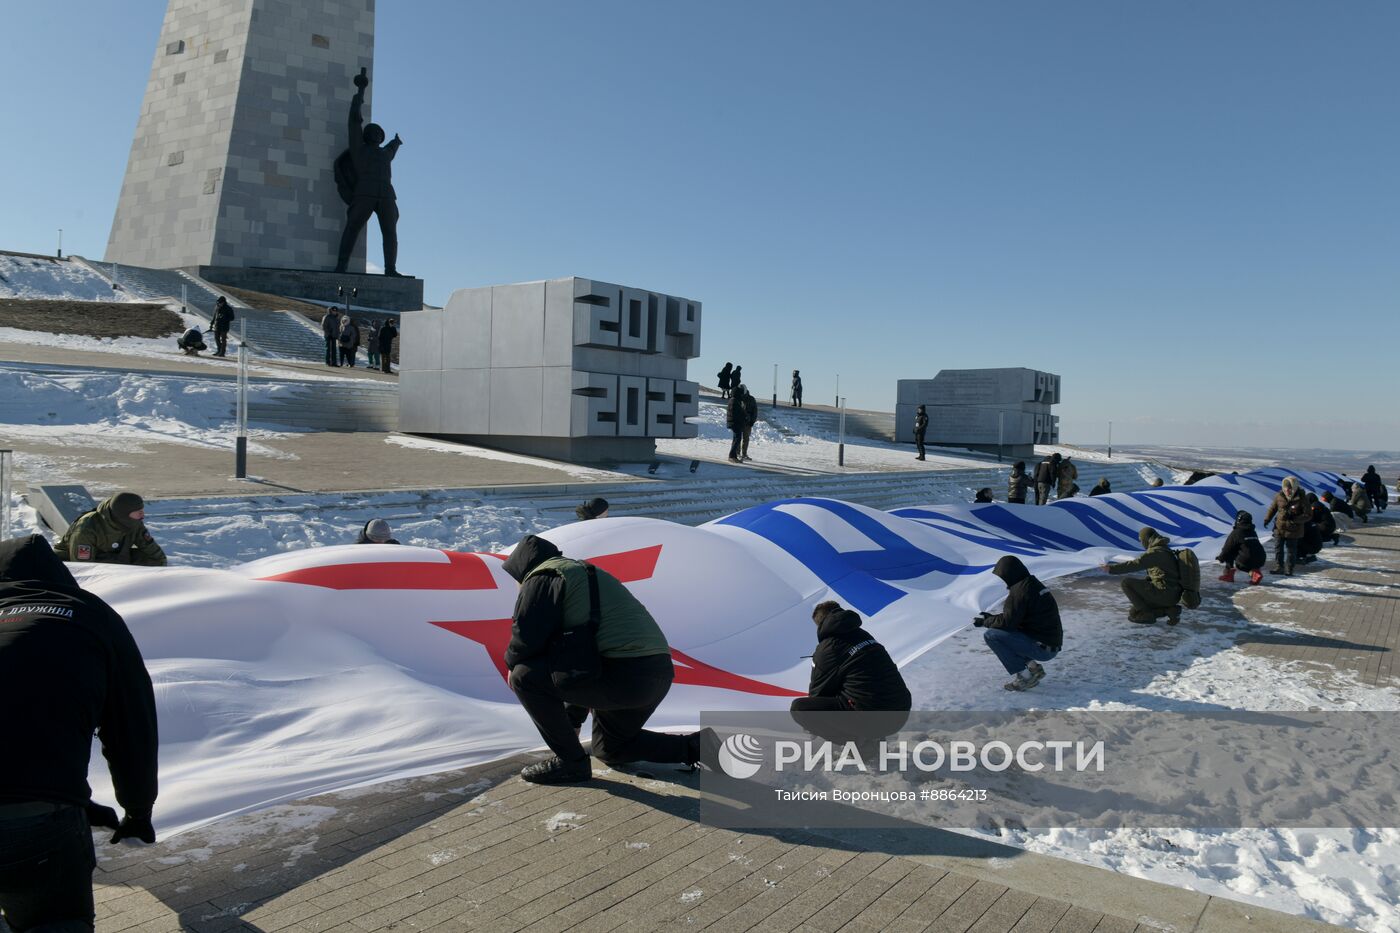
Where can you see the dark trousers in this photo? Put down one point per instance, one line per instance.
(1285, 547)
(833, 719)
(46, 863)
(221, 343)
(734, 445)
(1019, 500)
(919, 443)
(347, 356)
(1042, 493)
(1146, 599)
(797, 400)
(384, 356)
(332, 351)
(622, 700)
(744, 443)
(357, 215)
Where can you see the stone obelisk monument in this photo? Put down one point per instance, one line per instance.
(232, 165)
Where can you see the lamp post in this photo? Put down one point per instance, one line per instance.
(60, 242)
(1001, 434)
(838, 390)
(1110, 440)
(841, 433)
(240, 444)
(775, 385)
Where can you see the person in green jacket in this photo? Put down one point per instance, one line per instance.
(1160, 591)
(113, 533)
(557, 595)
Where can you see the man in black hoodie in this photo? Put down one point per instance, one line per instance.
(559, 595)
(1242, 550)
(68, 666)
(851, 672)
(1027, 630)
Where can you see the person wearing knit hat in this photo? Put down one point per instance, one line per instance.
(593, 508)
(376, 531)
(113, 533)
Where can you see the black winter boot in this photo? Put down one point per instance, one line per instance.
(557, 771)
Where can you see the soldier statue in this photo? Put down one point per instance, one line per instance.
(362, 178)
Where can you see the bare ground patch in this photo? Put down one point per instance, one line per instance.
(90, 318)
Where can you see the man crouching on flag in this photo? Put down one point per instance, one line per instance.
(581, 641)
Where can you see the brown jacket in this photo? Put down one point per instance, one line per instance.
(1292, 512)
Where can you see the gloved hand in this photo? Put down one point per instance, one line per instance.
(980, 621)
(98, 815)
(135, 827)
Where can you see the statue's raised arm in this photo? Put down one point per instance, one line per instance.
(363, 177)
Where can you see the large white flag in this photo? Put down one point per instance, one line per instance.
(325, 668)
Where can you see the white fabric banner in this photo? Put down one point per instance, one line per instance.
(323, 669)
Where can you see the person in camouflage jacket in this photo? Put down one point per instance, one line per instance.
(113, 533)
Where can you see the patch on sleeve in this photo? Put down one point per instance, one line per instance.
(85, 552)
(147, 536)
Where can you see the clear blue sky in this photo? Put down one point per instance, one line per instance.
(1189, 210)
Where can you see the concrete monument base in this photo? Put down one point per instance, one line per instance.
(385, 292)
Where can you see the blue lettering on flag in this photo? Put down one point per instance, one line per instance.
(856, 576)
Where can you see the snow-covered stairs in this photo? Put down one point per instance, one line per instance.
(275, 333)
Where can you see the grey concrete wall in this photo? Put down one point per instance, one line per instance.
(569, 358)
(244, 113)
(980, 408)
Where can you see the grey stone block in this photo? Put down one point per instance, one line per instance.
(568, 358)
(468, 392)
(420, 341)
(517, 325)
(248, 75)
(517, 401)
(466, 330)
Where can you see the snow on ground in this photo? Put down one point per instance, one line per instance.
(161, 348)
(23, 277)
(486, 453)
(782, 440)
(115, 411)
(1347, 877)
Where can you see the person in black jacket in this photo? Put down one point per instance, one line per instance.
(734, 415)
(1101, 488)
(1242, 550)
(330, 330)
(1326, 523)
(1044, 480)
(387, 332)
(1027, 630)
(983, 495)
(67, 665)
(1375, 488)
(851, 672)
(796, 389)
(192, 342)
(920, 428)
(724, 377)
(223, 320)
(750, 419)
(634, 668)
(1016, 483)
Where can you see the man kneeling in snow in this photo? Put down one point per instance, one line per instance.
(581, 641)
(851, 672)
(1027, 630)
(1161, 591)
